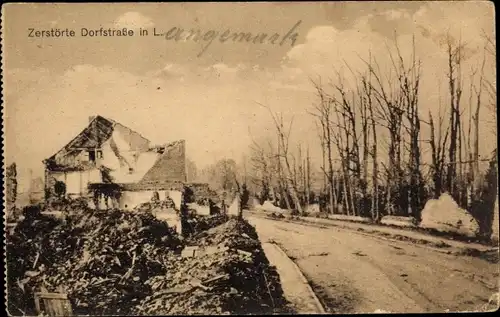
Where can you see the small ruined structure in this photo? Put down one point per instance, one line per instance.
(36, 190)
(115, 166)
(11, 188)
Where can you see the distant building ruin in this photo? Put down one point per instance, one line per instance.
(10, 187)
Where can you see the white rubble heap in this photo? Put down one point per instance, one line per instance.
(268, 206)
(445, 215)
(399, 221)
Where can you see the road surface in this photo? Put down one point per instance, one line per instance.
(353, 273)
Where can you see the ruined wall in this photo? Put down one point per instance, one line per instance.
(11, 187)
(131, 199)
(234, 208)
(76, 181)
(202, 191)
(200, 210)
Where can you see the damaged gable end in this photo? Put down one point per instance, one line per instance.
(107, 153)
(87, 157)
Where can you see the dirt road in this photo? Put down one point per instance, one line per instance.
(353, 273)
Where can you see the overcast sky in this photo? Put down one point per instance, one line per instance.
(163, 90)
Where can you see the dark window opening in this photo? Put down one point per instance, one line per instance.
(92, 156)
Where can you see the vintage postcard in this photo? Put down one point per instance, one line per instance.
(249, 158)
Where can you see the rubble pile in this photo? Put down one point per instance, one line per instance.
(445, 215)
(167, 203)
(28, 248)
(227, 272)
(200, 223)
(232, 234)
(101, 259)
(119, 262)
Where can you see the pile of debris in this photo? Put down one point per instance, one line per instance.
(167, 203)
(224, 271)
(119, 262)
(200, 223)
(101, 259)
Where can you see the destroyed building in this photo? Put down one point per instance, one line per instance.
(115, 166)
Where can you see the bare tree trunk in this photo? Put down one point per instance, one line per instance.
(346, 199)
(455, 89)
(308, 177)
(283, 141)
(478, 93)
(334, 192)
(330, 168)
(375, 198)
(390, 112)
(375, 189)
(366, 152)
(323, 149)
(323, 115)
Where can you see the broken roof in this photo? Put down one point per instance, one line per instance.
(127, 155)
(98, 131)
(170, 165)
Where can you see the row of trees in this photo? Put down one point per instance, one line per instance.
(280, 174)
(354, 121)
(272, 172)
(362, 175)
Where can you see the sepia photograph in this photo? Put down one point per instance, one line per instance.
(242, 158)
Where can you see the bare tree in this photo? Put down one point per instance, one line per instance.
(368, 111)
(490, 85)
(283, 141)
(265, 170)
(323, 113)
(409, 84)
(438, 147)
(454, 52)
(389, 114)
(364, 105)
(347, 141)
(308, 176)
(283, 180)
